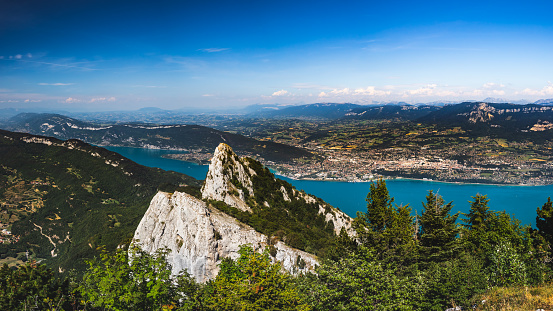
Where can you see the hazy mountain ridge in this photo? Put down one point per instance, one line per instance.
(181, 137)
(391, 112)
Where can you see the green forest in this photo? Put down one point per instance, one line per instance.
(481, 260)
(63, 199)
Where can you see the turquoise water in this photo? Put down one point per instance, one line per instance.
(522, 201)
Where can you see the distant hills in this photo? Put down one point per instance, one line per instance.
(310, 111)
(481, 118)
(391, 112)
(186, 137)
(60, 200)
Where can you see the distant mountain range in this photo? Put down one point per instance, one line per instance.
(395, 110)
(319, 111)
(186, 137)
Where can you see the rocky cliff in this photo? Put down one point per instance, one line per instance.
(231, 179)
(200, 235)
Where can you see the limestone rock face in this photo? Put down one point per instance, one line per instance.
(200, 236)
(225, 168)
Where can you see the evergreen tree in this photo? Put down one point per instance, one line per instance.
(478, 214)
(438, 237)
(478, 223)
(544, 221)
(379, 207)
(386, 227)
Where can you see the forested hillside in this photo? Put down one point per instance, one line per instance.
(60, 200)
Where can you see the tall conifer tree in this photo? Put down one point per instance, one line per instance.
(439, 231)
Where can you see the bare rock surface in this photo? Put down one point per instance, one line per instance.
(200, 236)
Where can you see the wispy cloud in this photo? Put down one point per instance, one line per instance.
(71, 100)
(75, 65)
(214, 50)
(56, 84)
(151, 86)
(306, 86)
(17, 56)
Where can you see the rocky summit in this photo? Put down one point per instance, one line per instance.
(199, 235)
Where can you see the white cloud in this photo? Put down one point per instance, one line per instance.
(102, 99)
(208, 95)
(18, 56)
(427, 90)
(56, 84)
(545, 91)
(33, 100)
(29, 55)
(71, 100)
(280, 93)
(371, 91)
(344, 91)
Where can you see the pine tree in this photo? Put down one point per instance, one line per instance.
(478, 214)
(439, 231)
(379, 207)
(544, 221)
(478, 224)
(386, 227)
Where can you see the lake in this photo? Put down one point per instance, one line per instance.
(522, 201)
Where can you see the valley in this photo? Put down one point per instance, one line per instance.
(467, 142)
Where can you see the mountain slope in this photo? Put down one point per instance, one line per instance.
(187, 137)
(493, 118)
(62, 199)
(266, 212)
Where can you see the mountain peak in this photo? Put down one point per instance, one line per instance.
(228, 178)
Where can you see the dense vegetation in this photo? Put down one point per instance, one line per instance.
(63, 199)
(295, 221)
(399, 262)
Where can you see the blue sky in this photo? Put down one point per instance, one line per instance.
(95, 55)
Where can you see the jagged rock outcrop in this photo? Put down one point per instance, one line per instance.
(230, 179)
(199, 236)
(225, 168)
